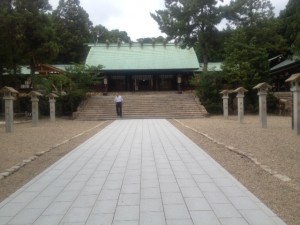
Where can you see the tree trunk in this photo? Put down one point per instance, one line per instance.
(205, 62)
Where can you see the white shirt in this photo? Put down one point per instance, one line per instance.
(118, 98)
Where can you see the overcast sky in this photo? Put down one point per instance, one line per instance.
(133, 16)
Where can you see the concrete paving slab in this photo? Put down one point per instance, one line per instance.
(139, 172)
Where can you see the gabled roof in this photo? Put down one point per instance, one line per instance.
(286, 63)
(42, 69)
(47, 69)
(137, 56)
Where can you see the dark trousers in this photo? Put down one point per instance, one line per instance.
(119, 108)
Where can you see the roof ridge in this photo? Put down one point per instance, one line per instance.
(133, 44)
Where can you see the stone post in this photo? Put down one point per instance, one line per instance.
(262, 93)
(295, 88)
(35, 107)
(240, 96)
(9, 108)
(225, 98)
(52, 101)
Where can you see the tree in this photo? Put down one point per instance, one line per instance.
(36, 31)
(256, 18)
(290, 18)
(26, 29)
(80, 79)
(208, 86)
(192, 22)
(73, 30)
(70, 86)
(8, 36)
(101, 34)
(116, 35)
(252, 41)
(150, 40)
(246, 63)
(247, 13)
(251, 44)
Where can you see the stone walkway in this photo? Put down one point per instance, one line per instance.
(134, 172)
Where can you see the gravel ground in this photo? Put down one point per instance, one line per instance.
(265, 160)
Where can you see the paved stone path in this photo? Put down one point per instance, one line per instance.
(136, 172)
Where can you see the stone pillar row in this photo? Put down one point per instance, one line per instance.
(9, 96)
(262, 93)
(240, 96)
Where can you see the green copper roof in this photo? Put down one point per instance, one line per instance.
(288, 62)
(284, 63)
(136, 56)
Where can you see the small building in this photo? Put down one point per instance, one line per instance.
(144, 67)
(282, 71)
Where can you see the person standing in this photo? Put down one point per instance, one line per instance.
(119, 103)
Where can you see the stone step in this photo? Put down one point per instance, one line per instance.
(150, 105)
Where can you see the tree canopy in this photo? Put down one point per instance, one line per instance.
(101, 34)
(33, 33)
(290, 18)
(253, 40)
(30, 33)
(248, 13)
(191, 22)
(73, 29)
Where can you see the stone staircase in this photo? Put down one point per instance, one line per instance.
(144, 105)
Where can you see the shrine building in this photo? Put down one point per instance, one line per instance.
(144, 67)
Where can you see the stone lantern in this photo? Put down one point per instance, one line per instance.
(295, 88)
(8, 97)
(262, 93)
(225, 98)
(35, 106)
(52, 101)
(240, 97)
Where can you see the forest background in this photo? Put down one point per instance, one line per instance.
(31, 32)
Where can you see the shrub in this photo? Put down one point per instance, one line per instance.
(209, 86)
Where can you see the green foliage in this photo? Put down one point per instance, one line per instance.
(27, 32)
(101, 34)
(290, 26)
(248, 13)
(35, 31)
(10, 52)
(79, 80)
(69, 103)
(73, 29)
(84, 77)
(209, 86)
(246, 63)
(71, 86)
(150, 40)
(254, 40)
(191, 22)
(272, 103)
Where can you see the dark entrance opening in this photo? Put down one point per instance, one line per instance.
(144, 85)
(147, 80)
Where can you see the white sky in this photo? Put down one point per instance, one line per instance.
(133, 16)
